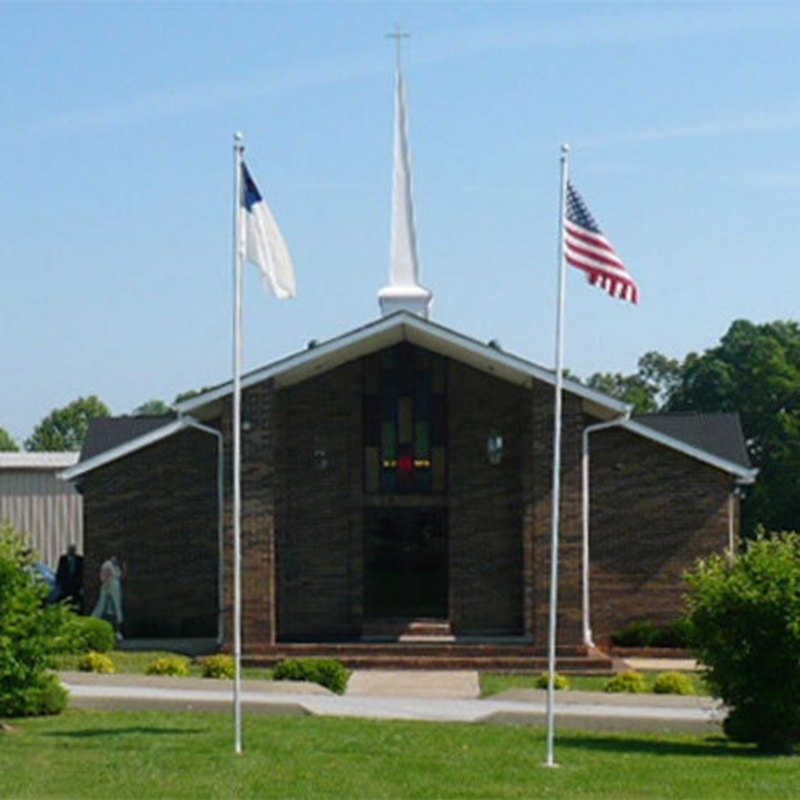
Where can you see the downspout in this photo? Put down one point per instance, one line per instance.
(587, 630)
(193, 423)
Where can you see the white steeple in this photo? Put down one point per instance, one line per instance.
(403, 291)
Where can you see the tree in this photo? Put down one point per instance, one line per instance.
(744, 618)
(152, 408)
(65, 428)
(755, 370)
(628, 388)
(7, 444)
(190, 393)
(28, 631)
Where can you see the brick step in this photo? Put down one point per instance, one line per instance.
(420, 649)
(407, 630)
(413, 656)
(596, 666)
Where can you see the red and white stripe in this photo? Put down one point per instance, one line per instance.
(593, 253)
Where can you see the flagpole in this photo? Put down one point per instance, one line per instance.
(555, 498)
(238, 154)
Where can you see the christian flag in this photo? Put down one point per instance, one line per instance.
(586, 248)
(263, 244)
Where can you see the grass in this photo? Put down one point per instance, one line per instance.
(137, 663)
(102, 754)
(496, 682)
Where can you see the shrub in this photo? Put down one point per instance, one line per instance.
(96, 662)
(630, 681)
(559, 682)
(673, 683)
(83, 634)
(45, 697)
(745, 618)
(677, 634)
(218, 666)
(169, 665)
(28, 631)
(325, 671)
(637, 634)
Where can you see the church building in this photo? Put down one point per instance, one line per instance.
(396, 486)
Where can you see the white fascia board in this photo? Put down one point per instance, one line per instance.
(123, 450)
(391, 330)
(744, 474)
(38, 460)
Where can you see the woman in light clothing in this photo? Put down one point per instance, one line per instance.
(109, 604)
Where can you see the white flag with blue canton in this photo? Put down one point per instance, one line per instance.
(262, 242)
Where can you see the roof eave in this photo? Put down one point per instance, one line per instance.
(389, 330)
(131, 446)
(743, 474)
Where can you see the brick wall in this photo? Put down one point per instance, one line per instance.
(485, 516)
(538, 518)
(156, 511)
(654, 511)
(319, 547)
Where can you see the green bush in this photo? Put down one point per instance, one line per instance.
(169, 665)
(745, 618)
(325, 671)
(673, 683)
(28, 632)
(83, 634)
(560, 681)
(218, 666)
(630, 681)
(45, 697)
(677, 634)
(637, 634)
(96, 662)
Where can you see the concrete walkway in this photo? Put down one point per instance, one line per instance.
(585, 710)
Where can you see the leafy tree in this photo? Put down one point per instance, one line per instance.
(65, 428)
(28, 631)
(628, 388)
(755, 370)
(152, 408)
(7, 444)
(744, 618)
(190, 393)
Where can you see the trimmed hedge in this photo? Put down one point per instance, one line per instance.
(631, 681)
(170, 665)
(96, 662)
(218, 666)
(84, 634)
(645, 633)
(327, 672)
(560, 682)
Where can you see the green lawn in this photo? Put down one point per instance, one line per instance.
(495, 682)
(101, 754)
(137, 663)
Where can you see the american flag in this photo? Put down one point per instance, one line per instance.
(586, 248)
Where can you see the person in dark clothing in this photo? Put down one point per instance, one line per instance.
(69, 578)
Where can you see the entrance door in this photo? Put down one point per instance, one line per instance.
(405, 563)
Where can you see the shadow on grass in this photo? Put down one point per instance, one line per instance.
(711, 746)
(86, 733)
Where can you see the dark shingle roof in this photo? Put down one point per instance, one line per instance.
(107, 432)
(718, 434)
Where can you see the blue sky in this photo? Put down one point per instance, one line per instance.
(116, 163)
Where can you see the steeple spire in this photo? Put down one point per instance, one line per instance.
(403, 291)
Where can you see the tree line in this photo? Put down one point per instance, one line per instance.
(754, 369)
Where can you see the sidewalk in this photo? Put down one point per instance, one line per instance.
(585, 710)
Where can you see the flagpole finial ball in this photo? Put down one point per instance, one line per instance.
(238, 136)
(565, 148)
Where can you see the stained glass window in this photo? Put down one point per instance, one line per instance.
(404, 421)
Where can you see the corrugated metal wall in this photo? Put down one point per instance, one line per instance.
(46, 510)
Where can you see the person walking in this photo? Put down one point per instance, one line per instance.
(109, 604)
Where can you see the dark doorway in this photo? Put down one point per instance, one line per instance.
(405, 563)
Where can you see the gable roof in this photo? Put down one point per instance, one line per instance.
(106, 433)
(387, 331)
(719, 434)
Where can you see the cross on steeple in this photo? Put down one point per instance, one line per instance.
(398, 36)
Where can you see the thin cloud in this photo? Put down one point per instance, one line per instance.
(595, 29)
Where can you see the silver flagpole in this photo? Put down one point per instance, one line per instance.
(555, 500)
(238, 153)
